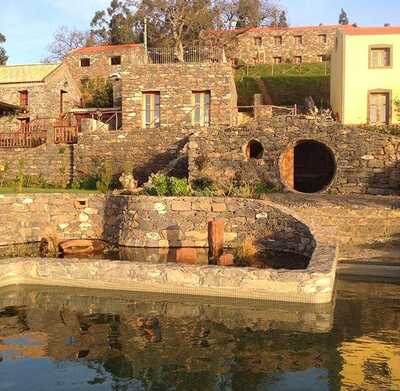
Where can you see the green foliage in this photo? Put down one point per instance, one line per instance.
(3, 54)
(19, 180)
(4, 168)
(179, 187)
(246, 89)
(87, 182)
(162, 185)
(290, 90)
(290, 83)
(159, 185)
(37, 181)
(115, 24)
(204, 187)
(106, 176)
(97, 92)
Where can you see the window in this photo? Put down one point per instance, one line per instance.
(298, 39)
(151, 110)
(379, 108)
(254, 150)
(298, 59)
(116, 60)
(201, 101)
(380, 57)
(277, 60)
(24, 98)
(85, 62)
(258, 41)
(323, 38)
(278, 40)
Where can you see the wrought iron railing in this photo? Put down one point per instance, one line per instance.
(190, 55)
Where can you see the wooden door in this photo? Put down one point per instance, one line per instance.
(379, 108)
(287, 168)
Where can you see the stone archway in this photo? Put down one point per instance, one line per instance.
(308, 167)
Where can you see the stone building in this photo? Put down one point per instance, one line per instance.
(267, 45)
(178, 94)
(100, 61)
(40, 91)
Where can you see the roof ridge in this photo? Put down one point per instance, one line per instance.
(31, 65)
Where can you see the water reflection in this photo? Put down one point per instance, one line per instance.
(63, 339)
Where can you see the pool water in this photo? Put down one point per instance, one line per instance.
(69, 339)
(198, 256)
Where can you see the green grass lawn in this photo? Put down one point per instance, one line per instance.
(31, 190)
(287, 84)
(268, 70)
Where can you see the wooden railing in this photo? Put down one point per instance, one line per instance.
(23, 139)
(65, 134)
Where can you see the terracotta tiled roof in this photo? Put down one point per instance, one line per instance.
(26, 73)
(372, 30)
(105, 48)
(322, 27)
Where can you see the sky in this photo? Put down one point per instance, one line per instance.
(30, 24)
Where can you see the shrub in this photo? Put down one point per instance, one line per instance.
(19, 180)
(179, 187)
(162, 185)
(87, 182)
(204, 187)
(106, 176)
(246, 251)
(37, 181)
(97, 92)
(158, 185)
(4, 168)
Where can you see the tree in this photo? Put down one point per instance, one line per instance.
(3, 54)
(114, 25)
(65, 40)
(253, 13)
(343, 19)
(176, 22)
(283, 20)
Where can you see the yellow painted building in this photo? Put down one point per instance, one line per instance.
(365, 75)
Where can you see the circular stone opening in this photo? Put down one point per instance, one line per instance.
(308, 167)
(254, 150)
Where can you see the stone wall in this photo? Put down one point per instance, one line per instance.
(43, 97)
(164, 222)
(146, 151)
(100, 60)
(148, 221)
(49, 161)
(175, 83)
(312, 49)
(366, 161)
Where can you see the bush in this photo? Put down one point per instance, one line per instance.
(204, 187)
(37, 181)
(87, 182)
(162, 185)
(179, 187)
(158, 185)
(97, 92)
(106, 177)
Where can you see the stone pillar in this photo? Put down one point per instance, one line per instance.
(258, 100)
(216, 238)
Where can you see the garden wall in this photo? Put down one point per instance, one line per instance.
(365, 161)
(148, 221)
